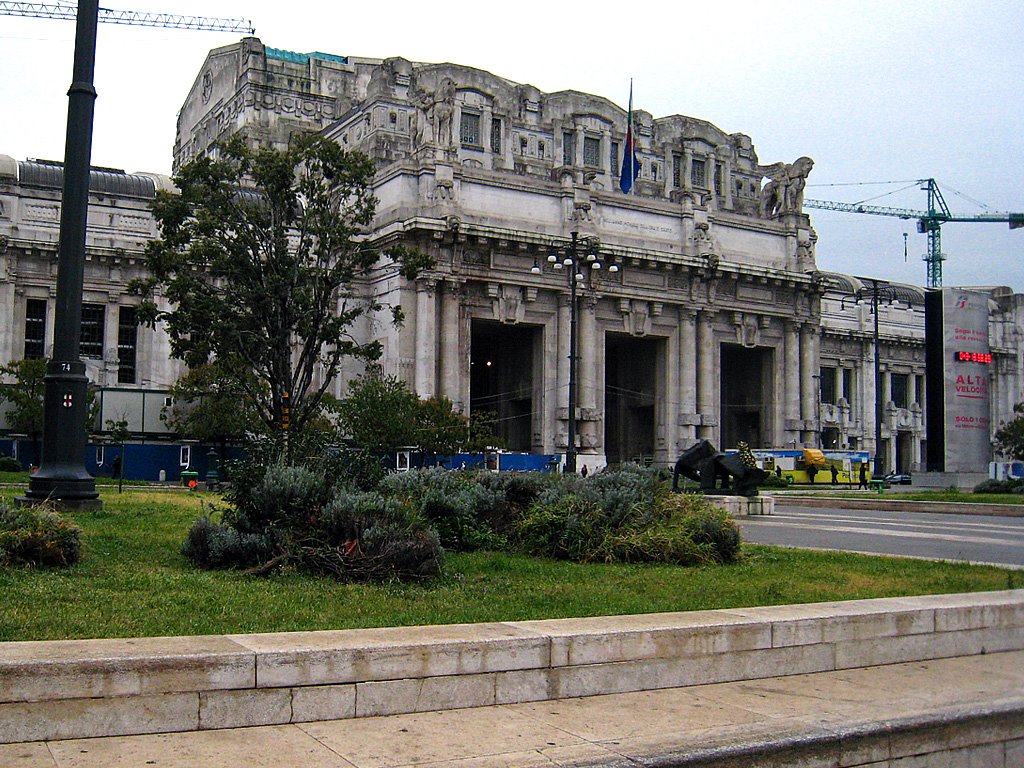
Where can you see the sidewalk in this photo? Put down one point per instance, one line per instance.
(966, 711)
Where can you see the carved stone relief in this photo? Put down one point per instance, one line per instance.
(509, 307)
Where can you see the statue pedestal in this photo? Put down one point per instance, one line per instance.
(738, 506)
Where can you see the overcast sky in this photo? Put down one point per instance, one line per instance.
(873, 90)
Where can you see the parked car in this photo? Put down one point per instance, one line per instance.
(898, 479)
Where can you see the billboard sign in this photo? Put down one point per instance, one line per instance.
(958, 363)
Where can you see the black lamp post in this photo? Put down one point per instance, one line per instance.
(877, 291)
(62, 476)
(579, 256)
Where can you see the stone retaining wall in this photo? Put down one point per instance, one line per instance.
(72, 689)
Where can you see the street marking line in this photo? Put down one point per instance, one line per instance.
(902, 534)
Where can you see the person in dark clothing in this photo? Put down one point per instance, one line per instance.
(115, 469)
(835, 473)
(862, 479)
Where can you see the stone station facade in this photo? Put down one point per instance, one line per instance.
(717, 324)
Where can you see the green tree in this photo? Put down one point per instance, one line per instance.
(439, 427)
(24, 394)
(379, 413)
(1010, 435)
(210, 405)
(259, 257)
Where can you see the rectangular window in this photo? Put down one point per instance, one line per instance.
(127, 341)
(91, 341)
(591, 152)
(848, 385)
(828, 386)
(524, 144)
(718, 179)
(35, 329)
(470, 130)
(677, 171)
(540, 149)
(900, 390)
(495, 134)
(568, 148)
(919, 380)
(697, 176)
(654, 171)
(615, 157)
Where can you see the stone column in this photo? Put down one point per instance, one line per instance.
(687, 163)
(9, 322)
(589, 365)
(790, 380)
(453, 362)
(809, 372)
(707, 389)
(561, 392)
(668, 417)
(688, 376)
(727, 182)
(426, 339)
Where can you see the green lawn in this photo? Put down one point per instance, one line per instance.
(134, 582)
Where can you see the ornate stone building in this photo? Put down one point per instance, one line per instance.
(715, 323)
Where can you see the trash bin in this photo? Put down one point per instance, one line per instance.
(189, 479)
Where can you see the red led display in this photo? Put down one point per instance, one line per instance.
(985, 358)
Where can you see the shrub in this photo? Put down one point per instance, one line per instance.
(1000, 486)
(629, 520)
(275, 499)
(292, 515)
(569, 528)
(463, 510)
(37, 536)
(218, 545)
(9, 464)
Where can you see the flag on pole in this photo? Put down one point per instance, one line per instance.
(630, 162)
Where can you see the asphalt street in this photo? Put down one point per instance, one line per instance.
(972, 538)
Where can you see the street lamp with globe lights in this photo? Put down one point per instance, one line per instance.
(579, 258)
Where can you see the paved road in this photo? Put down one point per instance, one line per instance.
(979, 539)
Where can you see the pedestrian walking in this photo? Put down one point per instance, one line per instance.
(862, 479)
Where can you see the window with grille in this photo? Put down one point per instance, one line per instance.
(848, 384)
(35, 329)
(591, 152)
(697, 173)
(615, 157)
(127, 342)
(677, 171)
(495, 134)
(568, 149)
(828, 386)
(718, 179)
(901, 390)
(91, 342)
(470, 130)
(654, 171)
